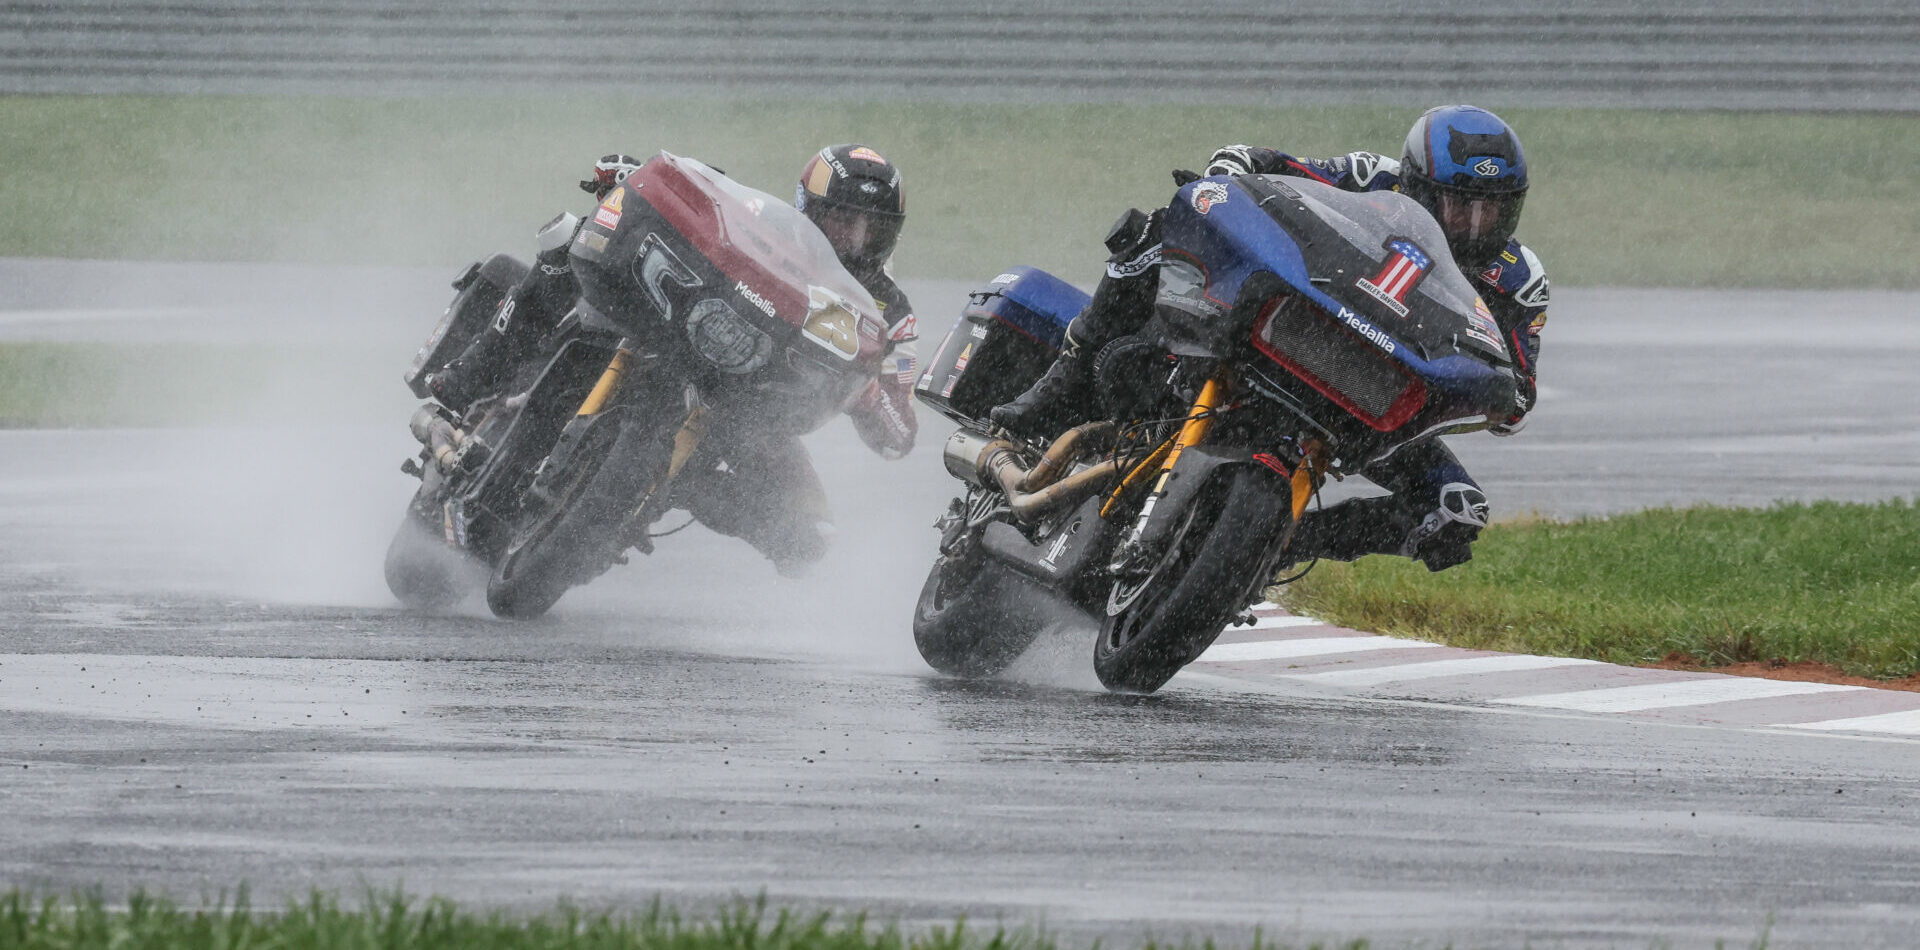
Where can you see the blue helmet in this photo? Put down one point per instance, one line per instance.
(1466, 167)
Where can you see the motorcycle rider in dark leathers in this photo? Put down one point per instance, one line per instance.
(768, 494)
(1465, 166)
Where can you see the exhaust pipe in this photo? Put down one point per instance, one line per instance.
(995, 463)
(438, 434)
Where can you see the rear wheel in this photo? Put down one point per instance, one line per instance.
(969, 620)
(1160, 622)
(424, 572)
(571, 539)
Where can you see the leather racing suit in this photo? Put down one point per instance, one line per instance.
(1435, 509)
(768, 493)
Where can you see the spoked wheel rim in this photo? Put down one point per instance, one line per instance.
(1131, 604)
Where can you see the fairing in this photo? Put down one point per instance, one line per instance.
(1263, 259)
(683, 258)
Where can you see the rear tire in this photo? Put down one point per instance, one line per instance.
(969, 621)
(424, 572)
(1196, 587)
(572, 541)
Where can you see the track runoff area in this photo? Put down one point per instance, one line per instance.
(1281, 650)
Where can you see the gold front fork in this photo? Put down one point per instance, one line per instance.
(609, 384)
(1192, 432)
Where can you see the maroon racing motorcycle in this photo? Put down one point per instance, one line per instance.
(705, 307)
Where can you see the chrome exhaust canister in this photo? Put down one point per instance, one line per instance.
(962, 455)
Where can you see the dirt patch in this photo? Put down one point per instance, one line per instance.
(1805, 671)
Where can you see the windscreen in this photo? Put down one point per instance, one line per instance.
(780, 237)
(1407, 274)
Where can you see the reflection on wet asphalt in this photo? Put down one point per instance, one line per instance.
(202, 682)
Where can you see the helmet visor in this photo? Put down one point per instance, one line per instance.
(858, 235)
(1478, 225)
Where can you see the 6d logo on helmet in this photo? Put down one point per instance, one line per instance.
(1487, 169)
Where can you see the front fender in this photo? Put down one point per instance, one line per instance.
(1198, 467)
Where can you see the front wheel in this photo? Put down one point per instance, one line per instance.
(571, 540)
(968, 622)
(1162, 621)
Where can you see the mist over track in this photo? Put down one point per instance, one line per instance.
(1794, 54)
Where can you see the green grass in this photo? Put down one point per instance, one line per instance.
(1621, 196)
(396, 922)
(1825, 582)
(93, 384)
(86, 385)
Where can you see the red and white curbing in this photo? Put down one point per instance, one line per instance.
(1302, 649)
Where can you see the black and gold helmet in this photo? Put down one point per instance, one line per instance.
(853, 195)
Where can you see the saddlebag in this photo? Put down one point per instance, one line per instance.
(1009, 332)
(478, 293)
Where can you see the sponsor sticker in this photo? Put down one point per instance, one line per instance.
(1404, 267)
(592, 241)
(1481, 327)
(1208, 194)
(868, 154)
(755, 206)
(1487, 168)
(1373, 334)
(907, 329)
(965, 356)
(1004, 279)
(608, 216)
(759, 303)
(1492, 274)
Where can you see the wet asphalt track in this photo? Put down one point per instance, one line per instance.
(201, 681)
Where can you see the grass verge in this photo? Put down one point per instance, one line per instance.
(93, 385)
(1828, 582)
(396, 922)
(1624, 197)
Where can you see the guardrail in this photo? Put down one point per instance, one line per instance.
(1793, 54)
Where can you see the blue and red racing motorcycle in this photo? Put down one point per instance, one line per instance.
(1300, 332)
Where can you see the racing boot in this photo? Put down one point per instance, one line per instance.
(530, 309)
(1061, 398)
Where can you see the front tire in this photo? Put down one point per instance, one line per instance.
(1175, 612)
(968, 622)
(571, 541)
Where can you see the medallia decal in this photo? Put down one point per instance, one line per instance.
(1404, 267)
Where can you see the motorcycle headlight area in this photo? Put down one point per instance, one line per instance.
(725, 338)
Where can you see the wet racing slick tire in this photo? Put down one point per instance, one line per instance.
(1166, 619)
(974, 617)
(568, 542)
(424, 572)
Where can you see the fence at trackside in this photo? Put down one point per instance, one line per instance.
(1771, 54)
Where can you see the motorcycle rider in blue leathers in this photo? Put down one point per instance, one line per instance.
(1465, 166)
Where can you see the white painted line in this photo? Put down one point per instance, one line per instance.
(1903, 723)
(1305, 646)
(1281, 623)
(1700, 692)
(1503, 663)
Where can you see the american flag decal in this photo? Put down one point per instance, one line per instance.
(1404, 266)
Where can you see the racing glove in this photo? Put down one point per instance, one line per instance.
(883, 415)
(1231, 160)
(608, 173)
(1522, 404)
